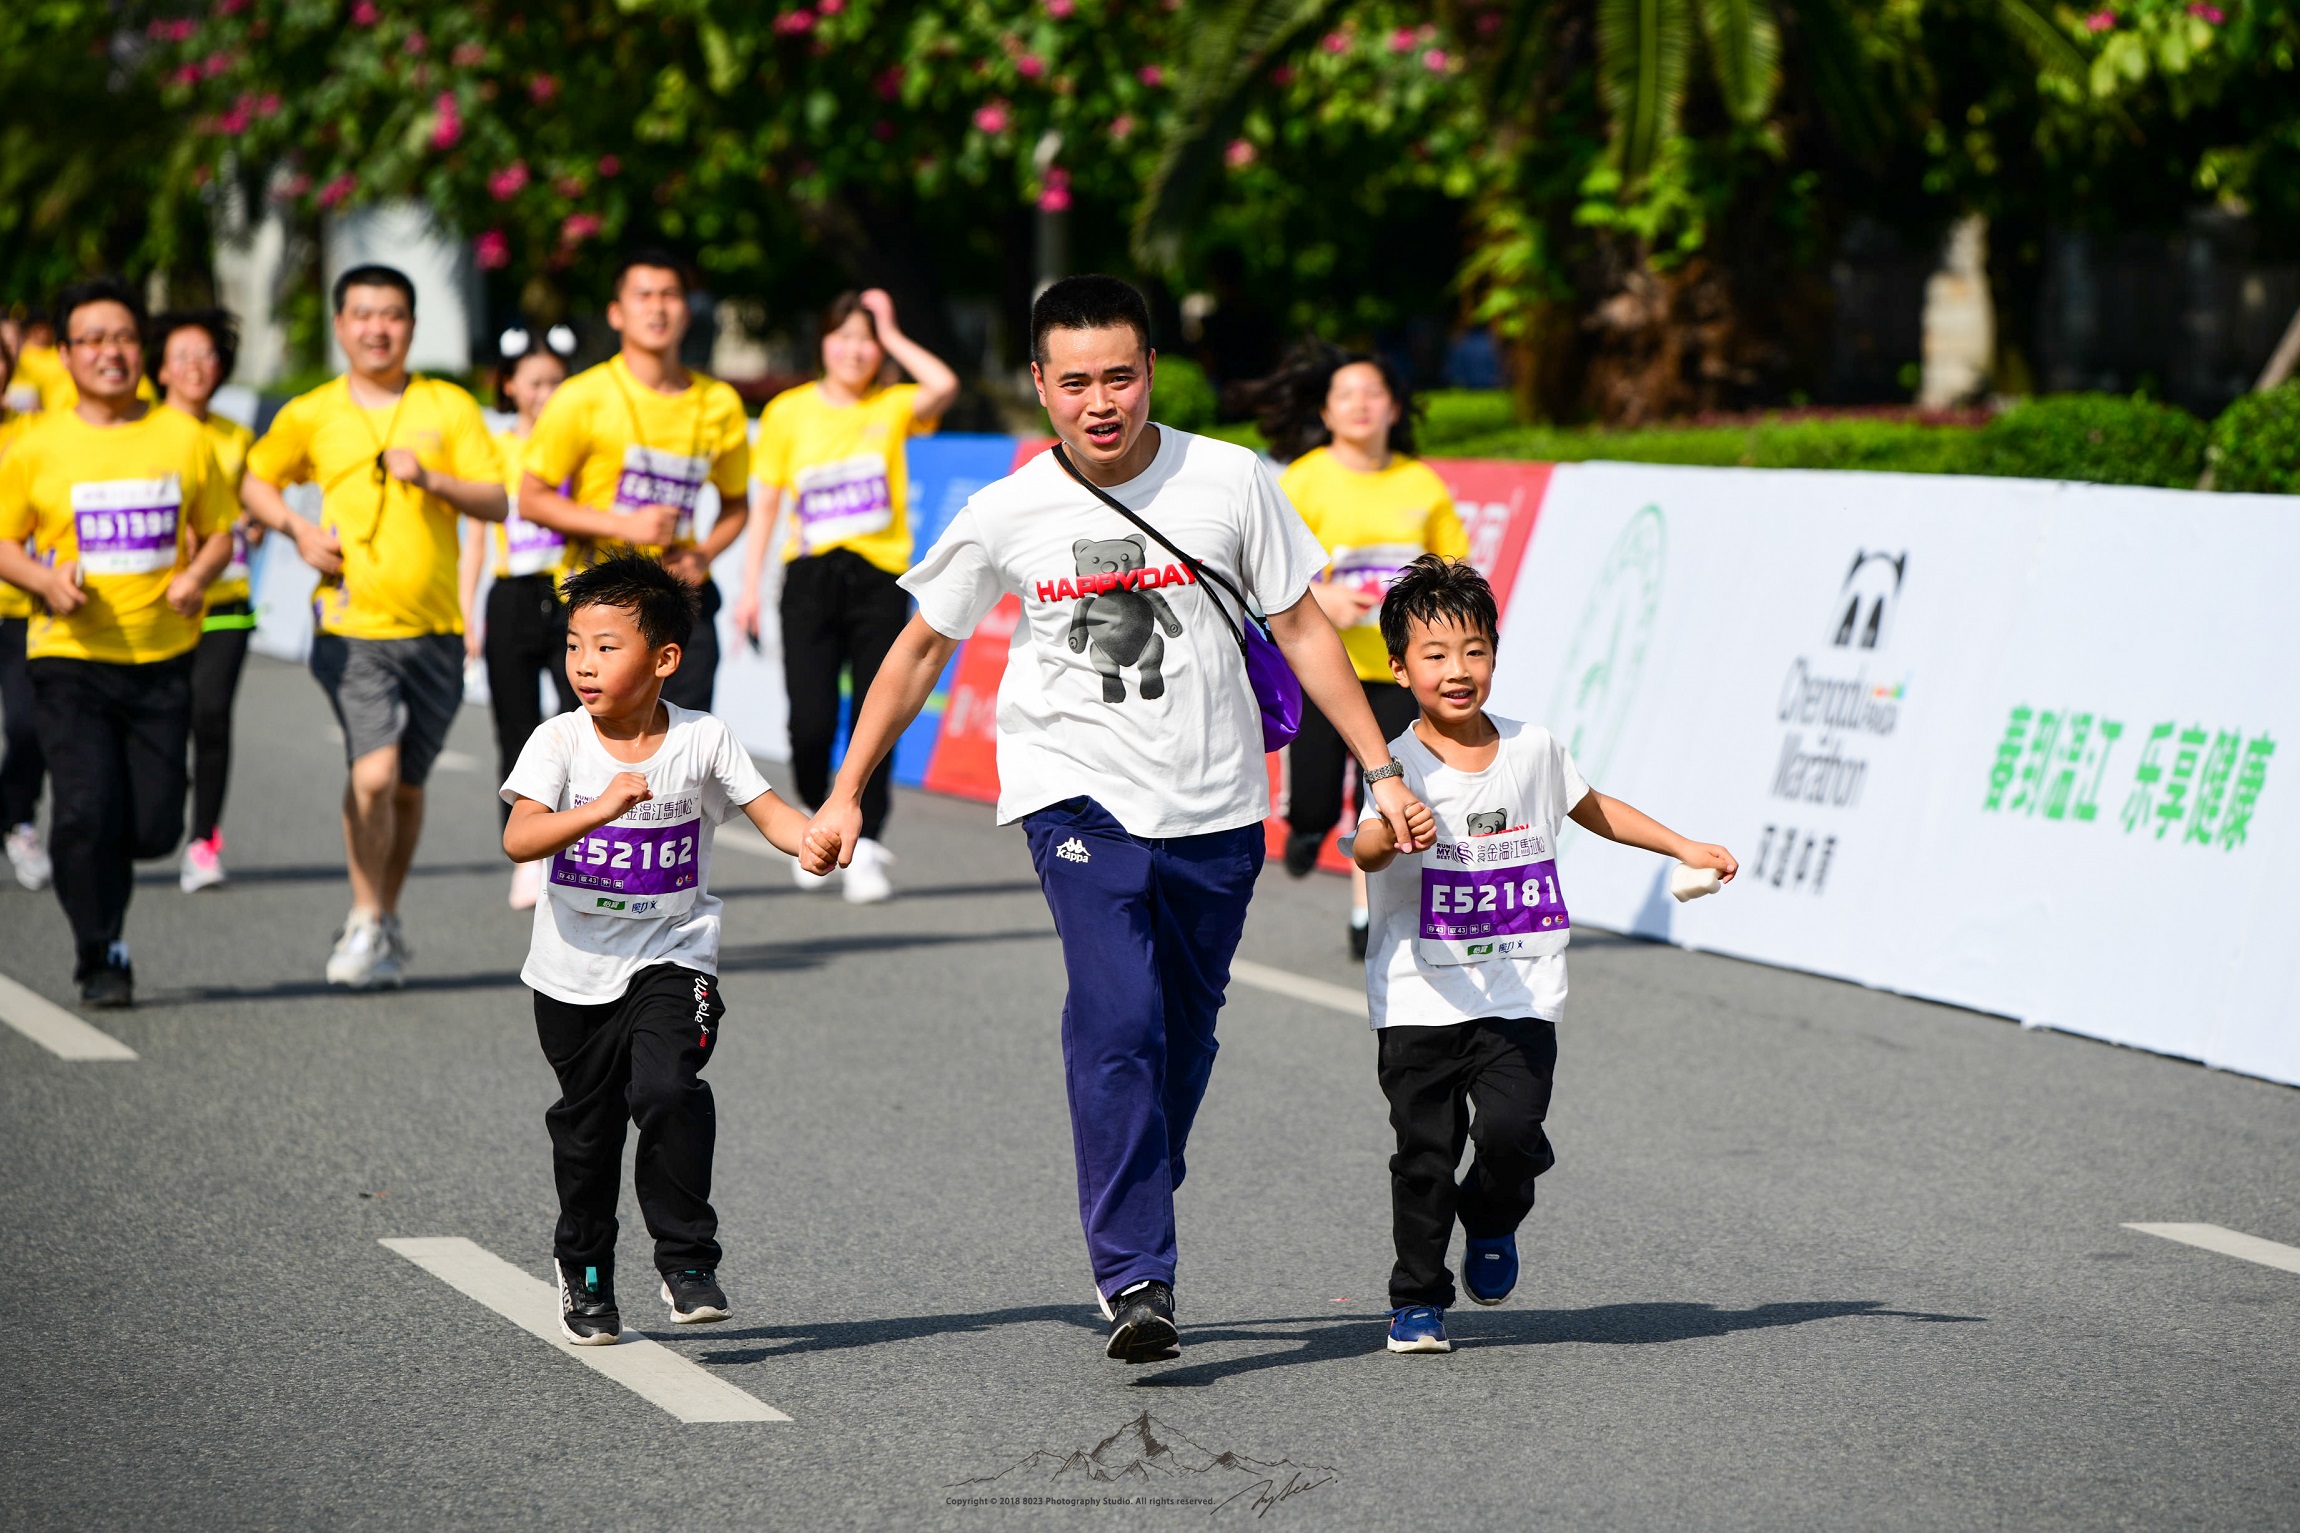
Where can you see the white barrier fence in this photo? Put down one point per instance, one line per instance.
(2003, 743)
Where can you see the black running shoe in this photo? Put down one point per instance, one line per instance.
(694, 1296)
(110, 987)
(1302, 853)
(1144, 1330)
(587, 1313)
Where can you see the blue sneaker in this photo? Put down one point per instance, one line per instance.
(1418, 1328)
(1489, 1268)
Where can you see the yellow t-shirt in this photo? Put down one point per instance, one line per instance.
(131, 503)
(1373, 525)
(623, 445)
(13, 603)
(844, 469)
(399, 544)
(521, 547)
(230, 441)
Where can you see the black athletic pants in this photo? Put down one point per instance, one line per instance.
(216, 666)
(638, 1060)
(690, 686)
(1432, 1077)
(840, 612)
(115, 738)
(526, 638)
(1314, 797)
(23, 765)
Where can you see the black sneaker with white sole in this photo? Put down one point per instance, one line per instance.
(587, 1313)
(694, 1296)
(1143, 1331)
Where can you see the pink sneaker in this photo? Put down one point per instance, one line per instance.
(203, 864)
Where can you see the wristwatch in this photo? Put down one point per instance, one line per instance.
(1390, 769)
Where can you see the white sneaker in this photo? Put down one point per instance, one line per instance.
(811, 883)
(364, 956)
(203, 864)
(29, 858)
(526, 885)
(867, 883)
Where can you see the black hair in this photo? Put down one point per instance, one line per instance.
(662, 605)
(1290, 403)
(223, 330)
(1087, 303)
(508, 369)
(1433, 590)
(375, 276)
(654, 258)
(79, 295)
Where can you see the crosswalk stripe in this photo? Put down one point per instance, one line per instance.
(2212, 1237)
(654, 1373)
(55, 1029)
(1300, 987)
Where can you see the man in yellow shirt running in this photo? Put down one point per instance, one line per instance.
(398, 458)
(22, 767)
(637, 438)
(130, 522)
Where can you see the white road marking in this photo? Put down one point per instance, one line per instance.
(55, 1029)
(654, 1373)
(1300, 987)
(455, 761)
(2212, 1237)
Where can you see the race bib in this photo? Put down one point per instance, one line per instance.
(127, 526)
(238, 568)
(527, 548)
(843, 500)
(1492, 897)
(1369, 571)
(644, 865)
(653, 478)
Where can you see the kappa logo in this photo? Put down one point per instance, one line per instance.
(1863, 615)
(1073, 850)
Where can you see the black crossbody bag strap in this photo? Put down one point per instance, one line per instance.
(1198, 571)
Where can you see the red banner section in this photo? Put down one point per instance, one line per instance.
(1498, 502)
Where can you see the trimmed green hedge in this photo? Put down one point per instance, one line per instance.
(2256, 443)
(1183, 397)
(2097, 437)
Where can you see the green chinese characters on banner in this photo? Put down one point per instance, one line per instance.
(2192, 785)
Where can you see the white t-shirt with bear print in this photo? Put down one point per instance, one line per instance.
(1122, 683)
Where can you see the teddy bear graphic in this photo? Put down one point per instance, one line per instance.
(1121, 625)
(1488, 824)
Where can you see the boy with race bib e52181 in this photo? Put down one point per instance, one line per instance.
(622, 796)
(1465, 959)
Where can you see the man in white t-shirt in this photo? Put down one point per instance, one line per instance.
(1465, 955)
(622, 796)
(1129, 746)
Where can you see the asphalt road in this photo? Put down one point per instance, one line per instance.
(1813, 1257)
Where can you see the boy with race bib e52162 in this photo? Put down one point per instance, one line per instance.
(622, 796)
(1465, 958)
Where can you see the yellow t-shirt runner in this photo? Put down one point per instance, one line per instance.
(1373, 525)
(13, 603)
(399, 544)
(624, 446)
(230, 441)
(131, 504)
(521, 547)
(844, 470)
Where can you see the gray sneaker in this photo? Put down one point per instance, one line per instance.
(364, 958)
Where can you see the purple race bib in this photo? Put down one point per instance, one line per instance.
(1492, 897)
(127, 526)
(655, 478)
(527, 548)
(638, 867)
(843, 500)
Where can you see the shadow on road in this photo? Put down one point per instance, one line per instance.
(815, 951)
(905, 894)
(331, 873)
(839, 1336)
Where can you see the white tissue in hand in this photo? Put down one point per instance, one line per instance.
(1691, 883)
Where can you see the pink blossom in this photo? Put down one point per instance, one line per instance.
(1402, 40)
(232, 123)
(1054, 193)
(1282, 76)
(1435, 61)
(364, 14)
(230, 7)
(1488, 23)
(215, 64)
(1061, 10)
(2100, 21)
(992, 117)
(1151, 75)
(1336, 42)
(1031, 65)
(337, 190)
(609, 165)
(578, 227)
(795, 23)
(889, 83)
(177, 31)
(2211, 13)
(267, 105)
(542, 89)
(468, 54)
(492, 250)
(188, 74)
(1239, 155)
(447, 125)
(1121, 126)
(507, 183)
(414, 43)
(830, 7)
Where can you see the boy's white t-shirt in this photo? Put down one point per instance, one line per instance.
(1531, 782)
(700, 773)
(1132, 690)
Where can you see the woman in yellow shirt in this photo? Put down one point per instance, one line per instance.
(831, 452)
(22, 766)
(1343, 423)
(192, 353)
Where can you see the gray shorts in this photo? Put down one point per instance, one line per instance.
(401, 692)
